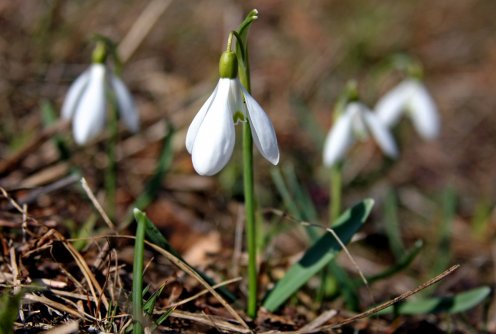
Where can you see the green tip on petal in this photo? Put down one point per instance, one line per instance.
(228, 65)
(238, 117)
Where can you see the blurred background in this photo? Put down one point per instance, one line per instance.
(302, 55)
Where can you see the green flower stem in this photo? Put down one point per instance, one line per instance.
(250, 219)
(111, 171)
(139, 249)
(249, 192)
(335, 198)
(251, 240)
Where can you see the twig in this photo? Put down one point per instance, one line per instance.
(11, 200)
(97, 205)
(183, 266)
(141, 28)
(210, 321)
(201, 293)
(66, 328)
(59, 184)
(55, 305)
(319, 321)
(392, 301)
(83, 266)
(16, 158)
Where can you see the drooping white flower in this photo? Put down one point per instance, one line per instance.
(211, 136)
(412, 97)
(85, 103)
(356, 121)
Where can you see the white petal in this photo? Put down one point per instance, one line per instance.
(380, 133)
(215, 137)
(73, 95)
(125, 104)
(197, 121)
(424, 113)
(390, 107)
(89, 117)
(262, 130)
(339, 139)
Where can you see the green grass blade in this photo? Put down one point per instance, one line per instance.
(139, 250)
(149, 305)
(347, 287)
(9, 309)
(290, 202)
(307, 120)
(403, 263)
(460, 302)
(318, 255)
(164, 316)
(153, 185)
(156, 237)
(49, 117)
(392, 225)
(443, 257)
(444, 235)
(283, 191)
(308, 211)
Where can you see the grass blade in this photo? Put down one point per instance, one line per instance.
(318, 255)
(139, 249)
(403, 263)
(156, 237)
(153, 185)
(9, 308)
(392, 225)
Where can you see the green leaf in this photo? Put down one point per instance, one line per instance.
(9, 309)
(450, 304)
(242, 48)
(403, 263)
(243, 27)
(149, 305)
(153, 185)
(392, 225)
(318, 255)
(49, 117)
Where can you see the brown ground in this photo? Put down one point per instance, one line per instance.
(302, 55)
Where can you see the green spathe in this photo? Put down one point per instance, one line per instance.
(228, 65)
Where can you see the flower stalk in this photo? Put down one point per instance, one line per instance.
(249, 194)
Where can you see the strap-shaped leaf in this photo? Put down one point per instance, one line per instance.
(460, 302)
(318, 255)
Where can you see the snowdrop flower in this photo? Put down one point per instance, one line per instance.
(412, 97)
(211, 136)
(85, 103)
(356, 121)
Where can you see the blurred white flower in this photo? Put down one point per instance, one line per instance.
(85, 103)
(211, 136)
(412, 97)
(357, 121)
